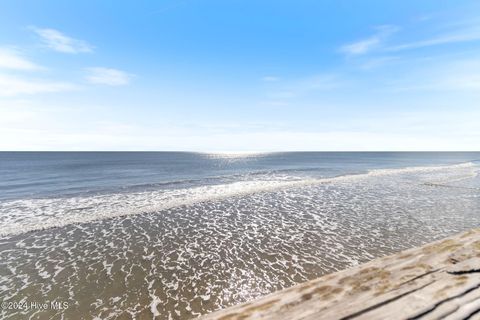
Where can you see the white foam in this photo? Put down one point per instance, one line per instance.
(19, 216)
(153, 306)
(425, 169)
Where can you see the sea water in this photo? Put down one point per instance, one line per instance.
(119, 235)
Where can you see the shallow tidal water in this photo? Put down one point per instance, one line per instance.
(190, 258)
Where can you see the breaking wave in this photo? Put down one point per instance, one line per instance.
(25, 215)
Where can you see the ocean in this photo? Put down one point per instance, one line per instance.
(174, 235)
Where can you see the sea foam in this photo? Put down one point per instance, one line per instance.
(25, 215)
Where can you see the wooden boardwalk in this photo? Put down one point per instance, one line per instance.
(440, 280)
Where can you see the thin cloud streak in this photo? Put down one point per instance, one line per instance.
(60, 42)
(13, 60)
(366, 45)
(464, 31)
(13, 86)
(440, 40)
(468, 32)
(107, 76)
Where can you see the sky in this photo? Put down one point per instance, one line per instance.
(249, 75)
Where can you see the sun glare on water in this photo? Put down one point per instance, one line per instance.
(235, 154)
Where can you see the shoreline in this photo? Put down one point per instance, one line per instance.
(437, 280)
(90, 208)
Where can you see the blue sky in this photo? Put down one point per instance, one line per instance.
(205, 75)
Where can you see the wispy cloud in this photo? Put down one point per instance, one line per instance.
(13, 86)
(366, 45)
(12, 59)
(466, 34)
(108, 76)
(60, 42)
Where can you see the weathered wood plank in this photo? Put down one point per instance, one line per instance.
(436, 281)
